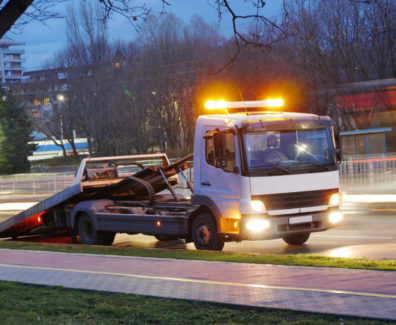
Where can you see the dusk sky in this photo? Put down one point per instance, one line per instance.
(42, 41)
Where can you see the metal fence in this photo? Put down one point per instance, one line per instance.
(358, 173)
(34, 184)
(369, 173)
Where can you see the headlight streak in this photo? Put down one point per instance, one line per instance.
(335, 217)
(257, 225)
(335, 199)
(257, 206)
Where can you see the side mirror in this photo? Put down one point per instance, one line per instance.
(338, 155)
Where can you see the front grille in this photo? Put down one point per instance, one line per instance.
(295, 199)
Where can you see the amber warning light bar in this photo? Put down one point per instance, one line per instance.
(224, 105)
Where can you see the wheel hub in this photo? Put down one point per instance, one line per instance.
(203, 234)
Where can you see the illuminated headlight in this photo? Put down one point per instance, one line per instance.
(335, 199)
(335, 217)
(257, 225)
(257, 206)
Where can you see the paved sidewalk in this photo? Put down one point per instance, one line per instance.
(325, 290)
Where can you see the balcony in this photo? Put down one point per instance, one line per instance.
(14, 51)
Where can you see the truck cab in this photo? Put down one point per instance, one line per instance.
(263, 175)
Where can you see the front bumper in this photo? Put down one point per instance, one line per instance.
(281, 225)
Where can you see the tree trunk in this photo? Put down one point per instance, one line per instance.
(10, 13)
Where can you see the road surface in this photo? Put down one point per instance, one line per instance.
(368, 231)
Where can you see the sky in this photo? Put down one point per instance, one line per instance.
(42, 41)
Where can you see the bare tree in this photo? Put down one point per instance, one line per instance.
(20, 12)
(338, 42)
(131, 9)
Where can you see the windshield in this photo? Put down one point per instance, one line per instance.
(288, 151)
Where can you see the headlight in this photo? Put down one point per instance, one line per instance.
(257, 225)
(335, 199)
(335, 217)
(257, 206)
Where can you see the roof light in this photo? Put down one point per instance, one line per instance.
(216, 104)
(276, 102)
(222, 104)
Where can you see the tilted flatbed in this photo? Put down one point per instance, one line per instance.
(104, 186)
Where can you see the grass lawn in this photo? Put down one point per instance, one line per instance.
(299, 259)
(30, 304)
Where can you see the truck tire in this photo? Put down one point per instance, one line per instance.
(89, 235)
(166, 237)
(296, 239)
(204, 233)
(107, 238)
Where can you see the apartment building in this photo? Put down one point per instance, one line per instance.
(11, 69)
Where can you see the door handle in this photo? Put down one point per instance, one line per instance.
(206, 183)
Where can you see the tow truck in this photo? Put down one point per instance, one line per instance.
(258, 173)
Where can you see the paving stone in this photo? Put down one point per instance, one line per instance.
(272, 286)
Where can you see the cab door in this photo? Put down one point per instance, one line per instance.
(220, 170)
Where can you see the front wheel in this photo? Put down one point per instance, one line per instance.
(296, 239)
(204, 233)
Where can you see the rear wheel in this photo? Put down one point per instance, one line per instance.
(204, 233)
(89, 235)
(296, 239)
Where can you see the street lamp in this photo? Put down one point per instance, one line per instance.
(60, 97)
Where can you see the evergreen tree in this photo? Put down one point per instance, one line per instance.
(15, 129)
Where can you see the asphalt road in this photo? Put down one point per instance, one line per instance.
(367, 231)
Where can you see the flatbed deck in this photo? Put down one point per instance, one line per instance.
(103, 186)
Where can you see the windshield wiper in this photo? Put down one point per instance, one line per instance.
(276, 166)
(313, 164)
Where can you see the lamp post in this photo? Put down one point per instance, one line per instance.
(61, 99)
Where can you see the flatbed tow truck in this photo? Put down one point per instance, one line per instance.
(258, 174)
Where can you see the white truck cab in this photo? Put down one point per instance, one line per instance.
(264, 175)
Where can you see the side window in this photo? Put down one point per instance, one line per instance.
(229, 150)
(210, 150)
(220, 150)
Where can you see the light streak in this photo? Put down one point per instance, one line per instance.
(369, 198)
(13, 206)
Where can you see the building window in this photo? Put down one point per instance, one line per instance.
(46, 101)
(36, 102)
